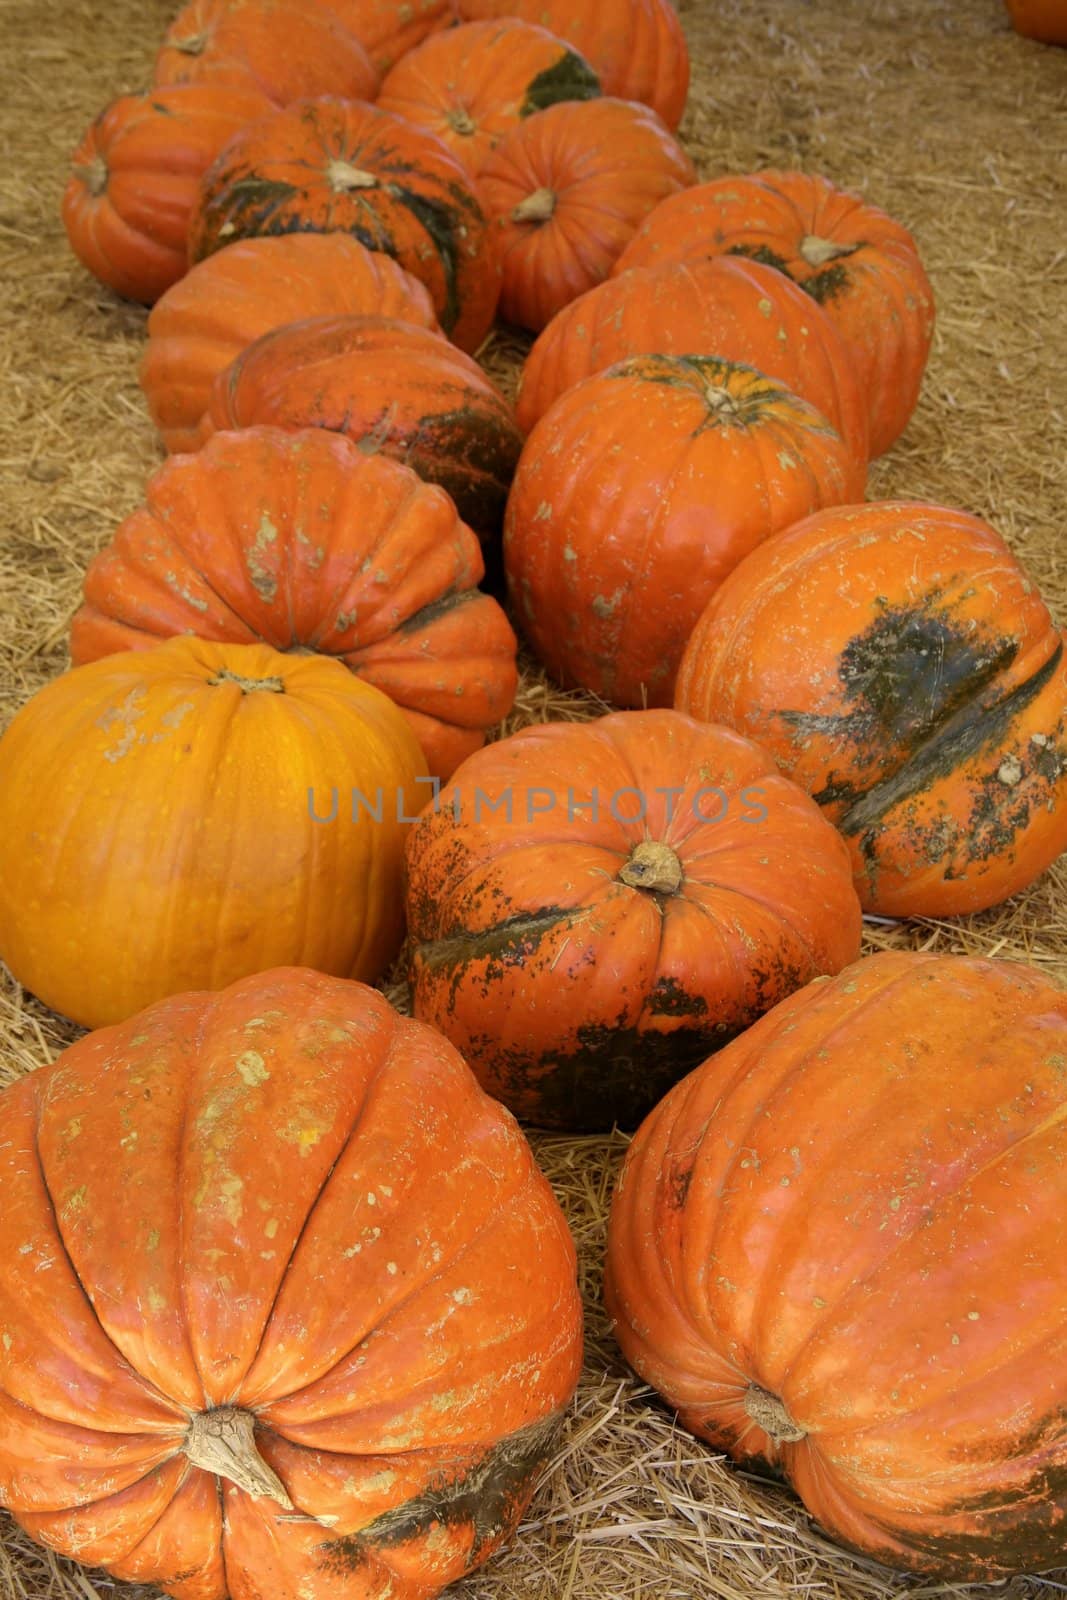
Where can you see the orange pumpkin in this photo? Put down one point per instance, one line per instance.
(901, 667)
(388, 29)
(226, 302)
(304, 542)
(836, 1248)
(165, 825)
(637, 493)
(862, 267)
(135, 181)
(285, 48)
(594, 906)
(567, 190)
(1043, 20)
(338, 166)
(267, 1332)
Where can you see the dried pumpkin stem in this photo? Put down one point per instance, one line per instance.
(194, 44)
(817, 252)
(343, 176)
(537, 207)
(94, 176)
(247, 685)
(223, 1441)
(461, 122)
(653, 866)
(768, 1413)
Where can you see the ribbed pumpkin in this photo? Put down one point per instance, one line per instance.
(636, 47)
(637, 493)
(837, 1248)
(266, 1330)
(135, 181)
(902, 667)
(388, 29)
(593, 907)
(737, 310)
(473, 84)
(286, 48)
(1044, 20)
(567, 189)
(158, 825)
(304, 542)
(226, 302)
(862, 267)
(339, 166)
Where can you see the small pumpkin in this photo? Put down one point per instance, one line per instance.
(594, 906)
(637, 493)
(473, 84)
(567, 189)
(161, 825)
(836, 1249)
(135, 181)
(861, 266)
(1043, 20)
(388, 29)
(266, 1330)
(305, 543)
(326, 166)
(226, 302)
(286, 48)
(901, 666)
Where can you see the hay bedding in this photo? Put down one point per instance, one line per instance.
(938, 113)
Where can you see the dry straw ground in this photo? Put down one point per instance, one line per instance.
(935, 111)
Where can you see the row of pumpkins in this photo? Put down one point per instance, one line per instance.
(286, 1306)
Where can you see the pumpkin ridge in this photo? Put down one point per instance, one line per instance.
(510, 935)
(435, 218)
(451, 600)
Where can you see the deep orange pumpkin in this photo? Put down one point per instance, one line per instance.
(862, 267)
(1043, 20)
(594, 906)
(637, 493)
(286, 48)
(339, 166)
(226, 302)
(135, 181)
(304, 542)
(388, 29)
(902, 668)
(567, 189)
(221, 1224)
(836, 1247)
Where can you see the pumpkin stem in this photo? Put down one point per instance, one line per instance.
(246, 685)
(223, 1441)
(537, 207)
(817, 252)
(94, 176)
(721, 401)
(461, 121)
(769, 1413)
(653, 866)
(193, 44)
(342, 176)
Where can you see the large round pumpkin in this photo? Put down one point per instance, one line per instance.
(837, 1248)
(308, 544)
(902, 667)
(388, 29)
(135, 181)
(637, 493)
(592, 907)
(178, 817)
(224, 303)
(288, 1308)
(1043, 20)
(567, 189)
(339, 166)
(860, 265)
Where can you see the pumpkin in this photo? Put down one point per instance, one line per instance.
(473, 84)
(304, 542)
(266, 1332)
(593, 907)
(636, 47)
(835, 1248)
(390, 387)
(737, 310)
(388, 29)
(165, 824)
(1043, 20)
(566, 190)
(286, 48)
(637, 493)
(862, 267)
(226, 302)
(900, 665)
(135, 181)
(327, 166)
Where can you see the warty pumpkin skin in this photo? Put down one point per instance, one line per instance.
(307, 544)
(861, 266)
(593, 907)
(566, 190)
(388, 29)
(135, 181)
(637, 493)
(471, 85)
(222, 1222)
(1043, 20)
(327, 165)
(901, 666)
(226, 302)
(158, 825)
(836, 1247)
